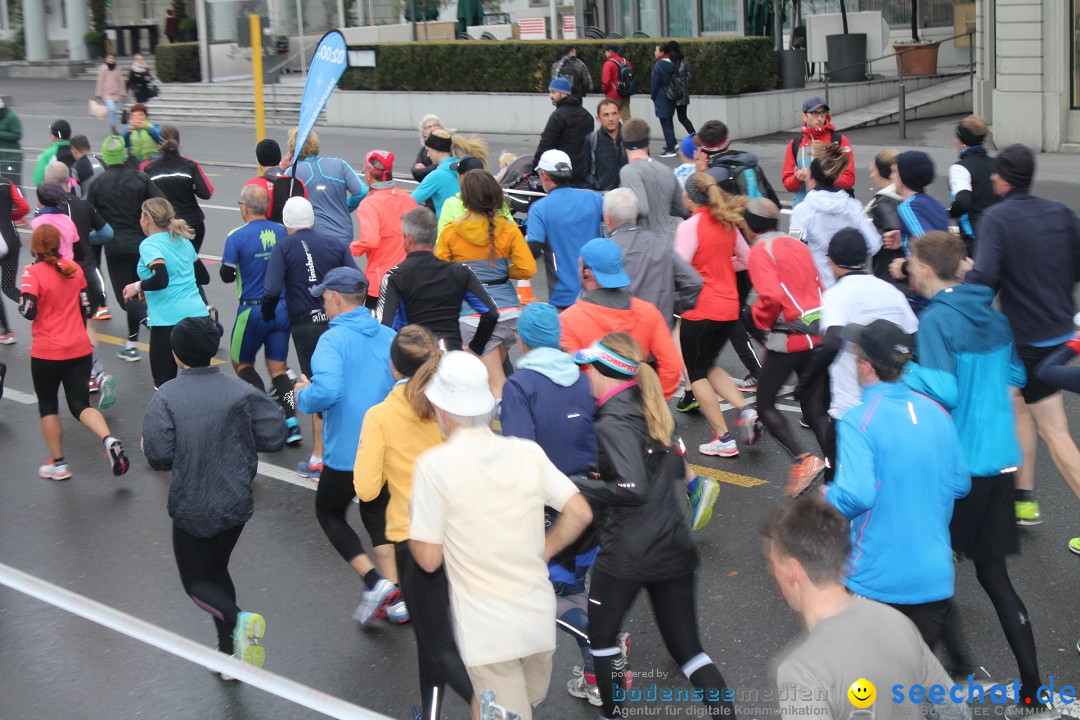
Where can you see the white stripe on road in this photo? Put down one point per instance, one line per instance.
(290, 476)
(20, 397)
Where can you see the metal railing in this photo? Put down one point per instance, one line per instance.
(902, 94)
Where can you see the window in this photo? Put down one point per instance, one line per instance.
(680, 18)
(147, 9)
(649, 18)
(935, 13)
(719, 16)
(1075, 53)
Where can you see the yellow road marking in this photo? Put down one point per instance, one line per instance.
(113, 340)
(728, 477)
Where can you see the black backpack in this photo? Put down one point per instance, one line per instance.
(627, 82)
(567, 70)
(284, 188)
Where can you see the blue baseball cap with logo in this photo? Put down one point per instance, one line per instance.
(604, 258)
(343, 280)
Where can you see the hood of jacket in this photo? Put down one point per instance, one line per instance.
(821, 134)
(552, 363)
(740, 157)
(568, 101)
(971, 301)
(358, 320)
(476, 231)
(889, 191)
(832, 203)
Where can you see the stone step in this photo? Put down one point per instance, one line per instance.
(953, 96)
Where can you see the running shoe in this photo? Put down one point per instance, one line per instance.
(295, 436)
(1027, 512)
(129, 354)
(803, 475)
(702, 501)
(721, 446)
(748, 384)
(687, 403)
(7, 338)
(398, 613)
(225, 676)
(803, 423)
(107, 385)
(114, 451)
(95, 383)
(748, 426)
(375, 602)
(1033, 709)
(583, 685)
(311, 472)
(1074, 544)
(250, 627)
(102, 313)
(668, 154)
(625, 642)
(53, 470)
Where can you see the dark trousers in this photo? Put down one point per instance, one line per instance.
(813, 399)
(668, 126)
(333, 497)
(9, 278)
(49, 375)
(680, 110)
(204, 570)
(123, 270)
(428, 598)
(162, 363)
(929, 618)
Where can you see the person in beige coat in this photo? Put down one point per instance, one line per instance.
(111, 89)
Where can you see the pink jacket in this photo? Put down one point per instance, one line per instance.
(110, 83)
(69, 235)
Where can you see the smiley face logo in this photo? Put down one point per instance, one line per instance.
(862, 693)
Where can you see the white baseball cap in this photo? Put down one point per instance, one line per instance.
(555, 161)
(298, 213)
(460, 386)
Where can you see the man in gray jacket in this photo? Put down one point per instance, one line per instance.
(657, 273)
(208, 429)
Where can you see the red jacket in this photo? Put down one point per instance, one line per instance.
(379, 217)
(776, 259)
(610, 78)
(823, 134)
(709, 245)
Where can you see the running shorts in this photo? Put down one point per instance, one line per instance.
(1031, 356)
(983, 525)
(305, 337)
(251, 332)
(701, 342)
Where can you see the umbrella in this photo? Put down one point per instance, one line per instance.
(469, 12)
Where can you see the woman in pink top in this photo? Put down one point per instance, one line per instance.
(707, 240)
(53, 210)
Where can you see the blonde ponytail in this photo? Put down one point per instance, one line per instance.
(469, 145)
(723, 206)
(161, 213)
(418, 344)
(657, 415)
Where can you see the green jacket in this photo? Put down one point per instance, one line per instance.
(454, 208)
(47, 157)
(10, 129)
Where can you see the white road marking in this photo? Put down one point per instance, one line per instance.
(20, 397)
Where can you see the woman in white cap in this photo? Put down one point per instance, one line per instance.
(645, 540)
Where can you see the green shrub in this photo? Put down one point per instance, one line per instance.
(178, 62)
(727, 66)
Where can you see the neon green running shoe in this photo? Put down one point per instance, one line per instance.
(1027, 512)
(250, 627)
(1074, 545)
(702, 501)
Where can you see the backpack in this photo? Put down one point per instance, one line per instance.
(627, 83)
(679, 86)
(565, 69)
(748, 180)
(284, 188)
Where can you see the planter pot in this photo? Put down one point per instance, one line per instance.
(95, 51)
(792, 69)
(847, 57)
(188, 36)
(916, 58)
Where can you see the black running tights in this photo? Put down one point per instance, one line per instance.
(428, 597)
(9, 280)
(680, 110)
(123, 270)
(204, 570)
(332, 499)
(162, 363)
(744, 331)
(813, 400)
(993, 575)
(611, 598)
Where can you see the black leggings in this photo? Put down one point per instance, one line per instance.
(123, 270)
(680, 110)
(611, 598)
(701, 342)
(162, 362)
(204, 571)
(49, 375)
(9, 279)
(332, 499)
(428, 597)
(813, 399)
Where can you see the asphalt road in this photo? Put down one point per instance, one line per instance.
(109, 539)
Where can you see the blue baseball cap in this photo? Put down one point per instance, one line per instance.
(560, 84)
(688, 147)
(604, 258)
(343, 280)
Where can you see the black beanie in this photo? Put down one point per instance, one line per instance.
(195, 341)
(268, 153)
(1016, 166)
(916, 169)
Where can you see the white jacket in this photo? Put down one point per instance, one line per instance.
(820, 216)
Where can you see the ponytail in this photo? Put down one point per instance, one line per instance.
(469, 145)
(414, 388)
(829, 162)
(415, 353)
(45, 244)
(723, 206)
(657, 415)
(163, 216)
(180, 228)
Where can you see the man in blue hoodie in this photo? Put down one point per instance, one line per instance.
(350, 373)
(900, 470)
(549, 401)
(968, 363)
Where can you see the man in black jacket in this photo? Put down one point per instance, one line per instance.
(605, 153)
(566, 129)
(424, 290)
(118, 194)
(970, 187)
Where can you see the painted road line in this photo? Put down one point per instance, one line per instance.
(230, 208)
(290, 476)
(119, 342)
(19, 397)
(728, 477)
(211, 258)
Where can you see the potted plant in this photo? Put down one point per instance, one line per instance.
(792, 60)
(915, 56)
(189, 29)
(846, 53)
(95, 44)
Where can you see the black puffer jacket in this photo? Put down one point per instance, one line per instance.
(643, 532)
(566, 130)
(182, 182)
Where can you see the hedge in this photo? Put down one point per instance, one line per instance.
(727, 66)
(178, 62)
